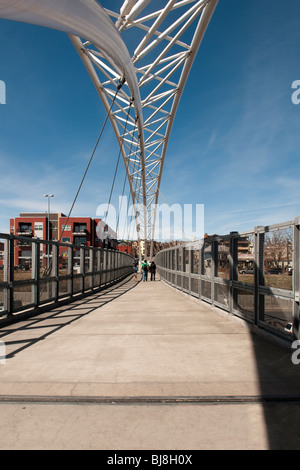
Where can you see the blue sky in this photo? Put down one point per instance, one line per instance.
(235, 142)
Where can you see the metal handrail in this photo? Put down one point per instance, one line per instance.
(268, 302)
(29, 287)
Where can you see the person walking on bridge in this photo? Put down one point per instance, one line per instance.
(152, 270)
(145, 269)
(135, 270)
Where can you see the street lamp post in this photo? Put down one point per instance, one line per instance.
(48, 237)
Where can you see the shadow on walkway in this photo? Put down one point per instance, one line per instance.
(62, 315)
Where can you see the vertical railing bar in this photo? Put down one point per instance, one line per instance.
(296, 277)
(82, 267)
(55, 267)
(98, 266)
(190, 270)
(70, 270)
(91, 267)
(35, 264)
(11, 274)
(233, 260)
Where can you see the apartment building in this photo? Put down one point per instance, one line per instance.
(79, 231)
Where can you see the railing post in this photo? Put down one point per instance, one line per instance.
(113, 259)
(180, 266)
(8, 271)
(233, 269)
(82, 267)
(105, 274)
(107, 263)
(176, 266)
(91, 267)
(55, 269)
(35, 262)
(98, 265)
(101, 266)
(201, 268)
(259, 237)
(70, 270)
(190, 269)
(214, 267)
(296, 278)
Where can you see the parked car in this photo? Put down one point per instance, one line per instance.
(274, 271)
(22, 267)
(247, 271)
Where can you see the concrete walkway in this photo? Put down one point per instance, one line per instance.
(141, 366)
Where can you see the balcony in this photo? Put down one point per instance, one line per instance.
(24, 229)
(23, 232)
(21, 243)
(81, 233)
(80, 230)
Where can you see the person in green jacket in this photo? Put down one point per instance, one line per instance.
(145, 269)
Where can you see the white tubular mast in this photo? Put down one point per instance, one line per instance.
(164, 44)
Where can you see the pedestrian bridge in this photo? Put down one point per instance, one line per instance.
(141, 365)
(91, 359)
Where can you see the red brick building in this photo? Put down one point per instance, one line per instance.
(80, 231)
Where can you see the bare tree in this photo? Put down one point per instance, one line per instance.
(278, 248)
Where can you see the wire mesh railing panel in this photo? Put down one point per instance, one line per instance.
(35, 273)
(253, 275)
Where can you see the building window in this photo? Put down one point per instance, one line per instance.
(66, 228)
(66, 239)
(79, 240)
(25, 228)
(38, 226)
(25, 254)
(79, 228)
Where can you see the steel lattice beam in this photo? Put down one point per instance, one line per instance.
(162, 57)
(164, 44)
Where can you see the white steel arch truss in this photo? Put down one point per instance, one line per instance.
(149, 46)
(163, 43)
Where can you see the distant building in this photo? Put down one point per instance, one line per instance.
(79, 231)
(128, 247)
(125, 247)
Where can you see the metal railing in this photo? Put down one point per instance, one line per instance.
(38, 273)
(253, 275)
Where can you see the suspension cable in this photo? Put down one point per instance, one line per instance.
(117, 164)
(92, 155)
(121, 82)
